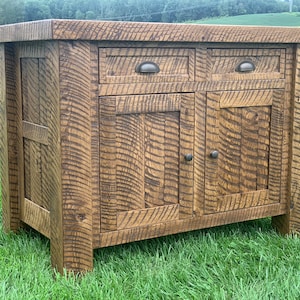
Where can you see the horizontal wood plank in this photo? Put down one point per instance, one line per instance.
(246, 98)
(177, 87)
(183, 225)
(37, 217)
(147, 104)
(135, 218)
(124, 31)
(242, 200)
(35, 132)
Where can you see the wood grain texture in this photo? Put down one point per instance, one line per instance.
(248, 138)
(282, 223)
(200, 154)
(14, 117)
(53, 177)
(34, 132)
(4, 172)
(186, 168)
(75, 124)
(206, 221)
(143, 140)
(37, 217)
(152, 88)
(35, 125)
(267, 62)
(124, 31)
(95, 139)
(276, 146)
(96, 153)
(107, 153)
(134, 218)
(118, 65)
(211, 144)
(291, 221)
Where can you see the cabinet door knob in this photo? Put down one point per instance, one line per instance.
(188, 157)
(214, 154)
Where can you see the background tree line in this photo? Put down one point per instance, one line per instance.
(12, 11)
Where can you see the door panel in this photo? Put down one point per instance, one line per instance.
(144, 177)
(246, 130)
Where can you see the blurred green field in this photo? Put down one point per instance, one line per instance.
(280, 19)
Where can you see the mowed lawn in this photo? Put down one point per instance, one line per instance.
(280, 19)
(240, 261)
(244, 261)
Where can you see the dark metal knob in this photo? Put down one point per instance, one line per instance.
(188, 157)
(214, 154)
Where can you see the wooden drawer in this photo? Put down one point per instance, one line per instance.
(268, 63)
(118, 65)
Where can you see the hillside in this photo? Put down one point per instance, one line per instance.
(273, 19)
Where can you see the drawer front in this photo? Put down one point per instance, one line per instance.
(119, 65)
(223, 64)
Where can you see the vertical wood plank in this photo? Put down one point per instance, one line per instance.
(171, 184)
(290, 222)
(230, 143)
(285, 223)
(186, 168)
(212, 143)
(287, 124)
(30, 79)
(14, 125)
(4, 189)
(75, 106)
(108, 188)
(54, 189)
(154, 159)
(263, 148)
(249, 132)
(130, 162)
(199, 150)
(276, 146)
(95, 140)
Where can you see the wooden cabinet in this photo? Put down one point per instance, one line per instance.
(117, 132)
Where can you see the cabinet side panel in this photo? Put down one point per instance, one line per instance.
(75, 106)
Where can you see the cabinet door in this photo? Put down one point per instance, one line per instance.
(146, 167)
(243, 149)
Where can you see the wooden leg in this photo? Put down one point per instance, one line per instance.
(71, 240)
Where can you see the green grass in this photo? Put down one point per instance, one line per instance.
(280, 19)
(241, 261)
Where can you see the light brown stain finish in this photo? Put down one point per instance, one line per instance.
(96, 152)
